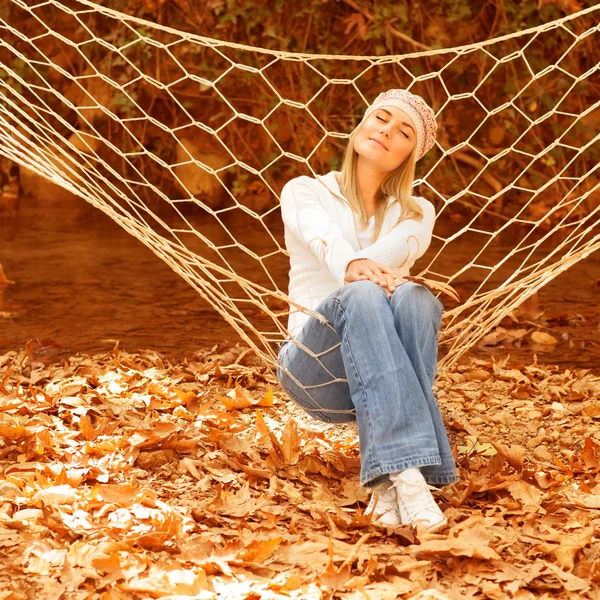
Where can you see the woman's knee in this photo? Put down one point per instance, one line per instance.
(365, 293)
(416, 297)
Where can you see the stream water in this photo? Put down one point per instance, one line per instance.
(82, 283)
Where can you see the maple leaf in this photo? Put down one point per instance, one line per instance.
(185, 397)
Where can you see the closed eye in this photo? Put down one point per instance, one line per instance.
(400, 130)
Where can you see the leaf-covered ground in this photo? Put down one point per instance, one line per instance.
(127, 476)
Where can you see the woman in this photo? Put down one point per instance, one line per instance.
(370, 354)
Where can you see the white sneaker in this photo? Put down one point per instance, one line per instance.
(383, 505)
(415, 502)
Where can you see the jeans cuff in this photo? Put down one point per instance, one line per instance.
(373, 475)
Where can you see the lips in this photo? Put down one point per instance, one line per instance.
(379, 142)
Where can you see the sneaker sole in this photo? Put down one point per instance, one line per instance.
(437, 526)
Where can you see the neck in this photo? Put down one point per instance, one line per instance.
(369, 179)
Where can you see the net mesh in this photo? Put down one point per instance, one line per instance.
(106, 106)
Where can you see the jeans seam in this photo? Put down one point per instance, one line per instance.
(370, 456)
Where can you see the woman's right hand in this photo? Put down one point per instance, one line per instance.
(365, 268)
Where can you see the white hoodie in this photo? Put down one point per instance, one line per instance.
(322, 239)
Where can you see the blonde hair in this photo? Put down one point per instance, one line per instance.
(397, 184)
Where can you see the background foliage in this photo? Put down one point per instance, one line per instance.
(347, 27)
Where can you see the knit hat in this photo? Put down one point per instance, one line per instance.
(417, 109)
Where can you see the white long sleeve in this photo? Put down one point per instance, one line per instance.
(310, 223)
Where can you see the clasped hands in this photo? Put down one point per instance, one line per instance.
(365, 268)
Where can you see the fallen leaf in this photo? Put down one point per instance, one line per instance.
(473, 542)
(55, 496)
(568, 546)
(259, 550)
(541, 337)
(514, 454)
(239, 398)
(525, 493)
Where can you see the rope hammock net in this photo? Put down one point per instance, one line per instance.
(186, 142)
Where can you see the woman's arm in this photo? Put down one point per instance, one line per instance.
(307, 220)
(407, 241)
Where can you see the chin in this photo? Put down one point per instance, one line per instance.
(367, 150)
(376, 158)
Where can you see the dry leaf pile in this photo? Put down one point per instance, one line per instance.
(126, 476)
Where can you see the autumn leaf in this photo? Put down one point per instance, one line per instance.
(566, 546)
(335, 577)
(435, 286)
(514, 454)
(290, 442)
(11, 429)
(259, 550)
(473, 446)
(55, 496)
(239, 398)
(268, 399)
(473, 542)
(185, 397)
(590, 454)
(124, 495)
(543, 338)
(87, 429)
(262, 431)
(525, 493)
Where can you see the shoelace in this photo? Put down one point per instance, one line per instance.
(414, 488)
(419, 485)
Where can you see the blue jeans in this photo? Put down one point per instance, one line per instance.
(374, 361)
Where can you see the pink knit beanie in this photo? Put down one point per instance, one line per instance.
(417, 109)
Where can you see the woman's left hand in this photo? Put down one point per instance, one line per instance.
(365, 268)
